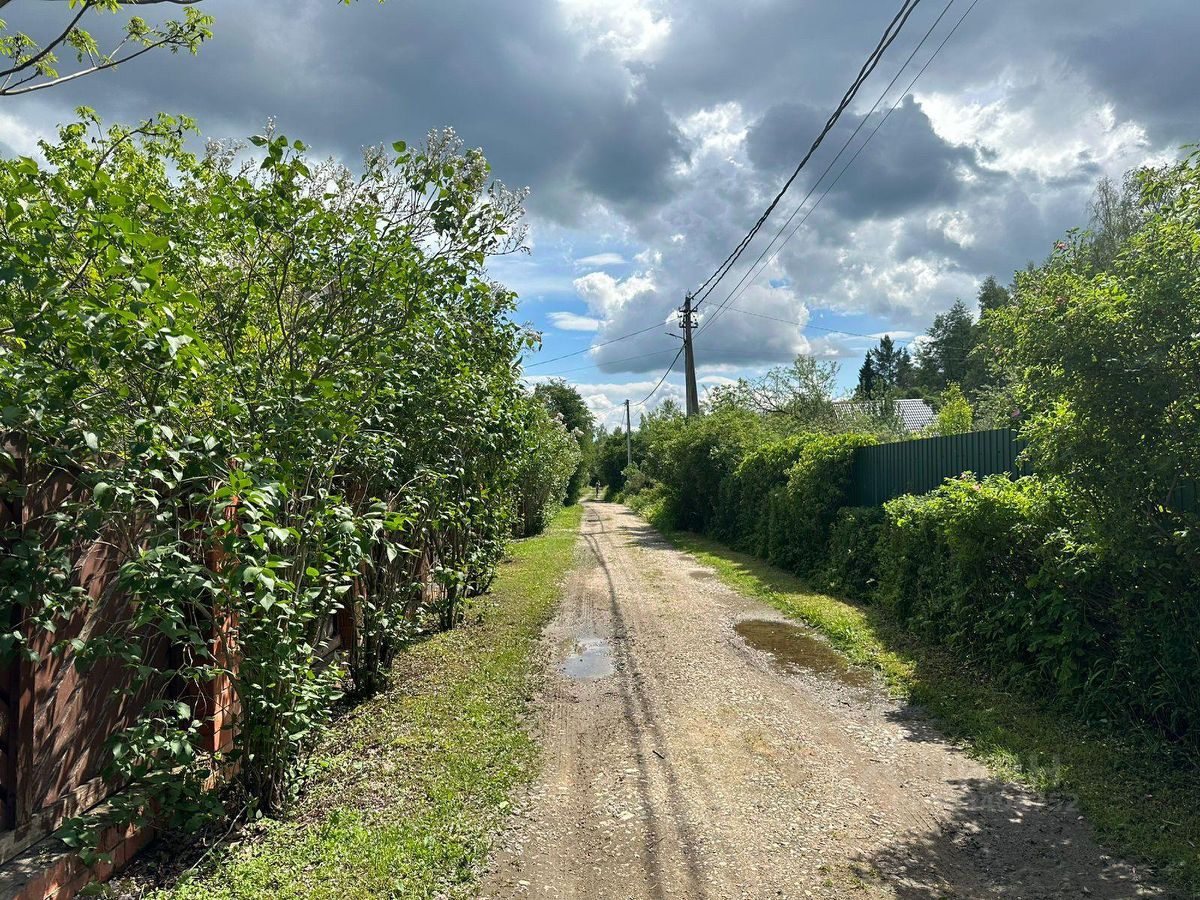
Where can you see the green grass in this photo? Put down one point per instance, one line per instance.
(412, 786)
(1140, 793)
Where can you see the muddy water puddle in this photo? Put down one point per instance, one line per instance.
(794, 650)
(589, 657)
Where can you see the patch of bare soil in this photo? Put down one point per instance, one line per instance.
(697, 746)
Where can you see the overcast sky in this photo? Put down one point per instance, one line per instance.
(653, 132)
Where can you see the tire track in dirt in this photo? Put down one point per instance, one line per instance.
(694, 766)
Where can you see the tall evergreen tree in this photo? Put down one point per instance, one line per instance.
(867, 378)
(945, 354)
(906, 375)
(885, 368)
(887, 358)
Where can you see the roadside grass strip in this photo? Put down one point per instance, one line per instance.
(1141, 794)
(411, 786)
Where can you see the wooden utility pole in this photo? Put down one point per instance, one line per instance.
(628, 441)
(688, 322)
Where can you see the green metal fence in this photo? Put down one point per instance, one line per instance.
(885, 471)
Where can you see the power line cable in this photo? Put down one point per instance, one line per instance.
(889, 36)
(591, 347)
(594, 365)
(737, 292)
(828, 168)
(646, 399)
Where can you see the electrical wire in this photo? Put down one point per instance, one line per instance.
(828, 168)
(744, 284)
(889, 36)
(646, 399)
(588, 349)
(593, 365)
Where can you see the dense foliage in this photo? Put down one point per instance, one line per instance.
(564, 402)
(1109, 371)
(998, 571)
(259, 397)
(546, 472)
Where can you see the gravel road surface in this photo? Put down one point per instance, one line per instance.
(696, 745)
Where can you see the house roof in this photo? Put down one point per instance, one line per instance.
(914, 415)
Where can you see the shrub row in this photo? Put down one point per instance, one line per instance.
(999, 571)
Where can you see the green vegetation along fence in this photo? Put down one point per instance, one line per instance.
(884, 471)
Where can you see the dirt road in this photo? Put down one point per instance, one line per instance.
(696, 746)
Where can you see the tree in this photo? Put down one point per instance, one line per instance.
(563, 400)
(905, 372)
(992, 295)
(955, 415)
(34, 66)
(1117, 212)
(1105, 367)
(867, 378)
(945, 355)
(545, 473)
(303, 369)
(886, 369)
(887, 359)
(798, 394)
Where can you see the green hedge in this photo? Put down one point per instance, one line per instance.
(851, 562)
(745, 497)
(802, 513)
(998, 572)
(990, 569)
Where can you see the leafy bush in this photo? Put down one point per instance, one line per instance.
(802, 513)
(746, 495)
(851, 566)
(635, 479)
(273, 392)
(955, 415)
(695, 455)
(564, 402)
(550, 465)
(657, 504)
(1105, 370)
(996, 571)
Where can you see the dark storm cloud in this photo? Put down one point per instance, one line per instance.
(1151, 68)
(918, 168)
(508, 76)
(629, 154)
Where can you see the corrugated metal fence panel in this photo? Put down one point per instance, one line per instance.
(885, 471)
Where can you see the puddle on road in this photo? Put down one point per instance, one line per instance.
(590, 657)
(794, 650)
